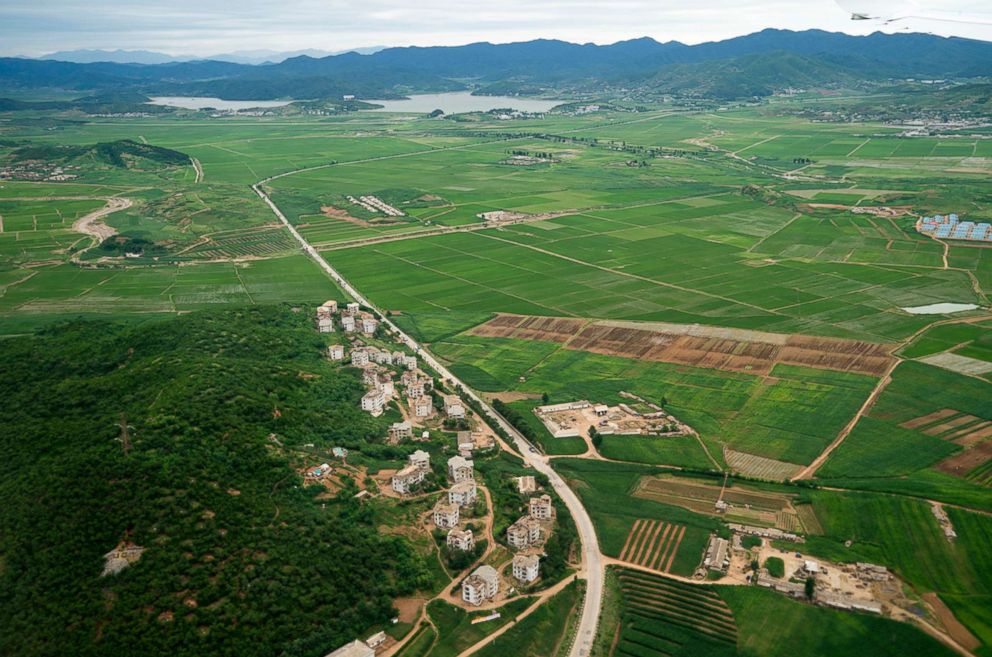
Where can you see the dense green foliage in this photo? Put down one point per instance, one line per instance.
(119, 153)
(240, 559)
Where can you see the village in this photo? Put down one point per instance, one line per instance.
(461, 517)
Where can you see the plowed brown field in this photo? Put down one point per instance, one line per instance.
(735, 350)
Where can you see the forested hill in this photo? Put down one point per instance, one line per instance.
(815, 56)
(240, 559)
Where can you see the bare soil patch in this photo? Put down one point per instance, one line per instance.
(929, 418)
(509, 396)
(982, 432)
(735, 350)
(332, 212)
(954, 627)
(951, 424)
(409, 608)
(964, 462)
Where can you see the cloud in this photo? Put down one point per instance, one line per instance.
(202, 27)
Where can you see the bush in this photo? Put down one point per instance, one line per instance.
(775, 567)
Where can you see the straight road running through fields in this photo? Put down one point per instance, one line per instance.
(593, 567)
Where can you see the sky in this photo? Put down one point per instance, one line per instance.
(204, 27)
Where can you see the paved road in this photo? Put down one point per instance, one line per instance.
(593, 566)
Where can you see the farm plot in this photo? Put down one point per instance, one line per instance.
(653, 544)
(663, 617)
(759, 467)
(960, 364)
(735, 350)
(745, 505)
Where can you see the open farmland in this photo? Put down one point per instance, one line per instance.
(788, 416)
(926, 416)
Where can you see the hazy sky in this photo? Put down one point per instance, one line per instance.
(202, 27)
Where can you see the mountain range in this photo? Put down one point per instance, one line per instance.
(754, 65)
(84, 56)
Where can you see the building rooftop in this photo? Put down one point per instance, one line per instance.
(354, 649)
(486, 573)
(526, 560)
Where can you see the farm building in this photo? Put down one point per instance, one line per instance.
(541, 508)
(951, 227)
(461, 540)
(481, 585)
(445, 515)
(335, 352)
(523, 533)
(463, 493)
(717, 554)
(354, 649)
(403, 481)
(526, 567)
(460, 469)
(317, 471)
(376, 640)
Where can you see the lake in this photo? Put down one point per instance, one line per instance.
(198, 102)
(463, 101)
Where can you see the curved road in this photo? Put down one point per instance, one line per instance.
(592, 562)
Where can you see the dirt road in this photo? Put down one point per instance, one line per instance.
(91, 224)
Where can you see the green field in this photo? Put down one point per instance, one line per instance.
(660, 617)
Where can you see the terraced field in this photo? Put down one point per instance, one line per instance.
(663, 617)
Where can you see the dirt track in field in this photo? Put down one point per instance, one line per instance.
(735, 350)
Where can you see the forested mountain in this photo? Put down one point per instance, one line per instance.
(765, 60)
(168, 435)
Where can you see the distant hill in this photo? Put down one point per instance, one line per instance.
(756, 64)
(117, 56)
